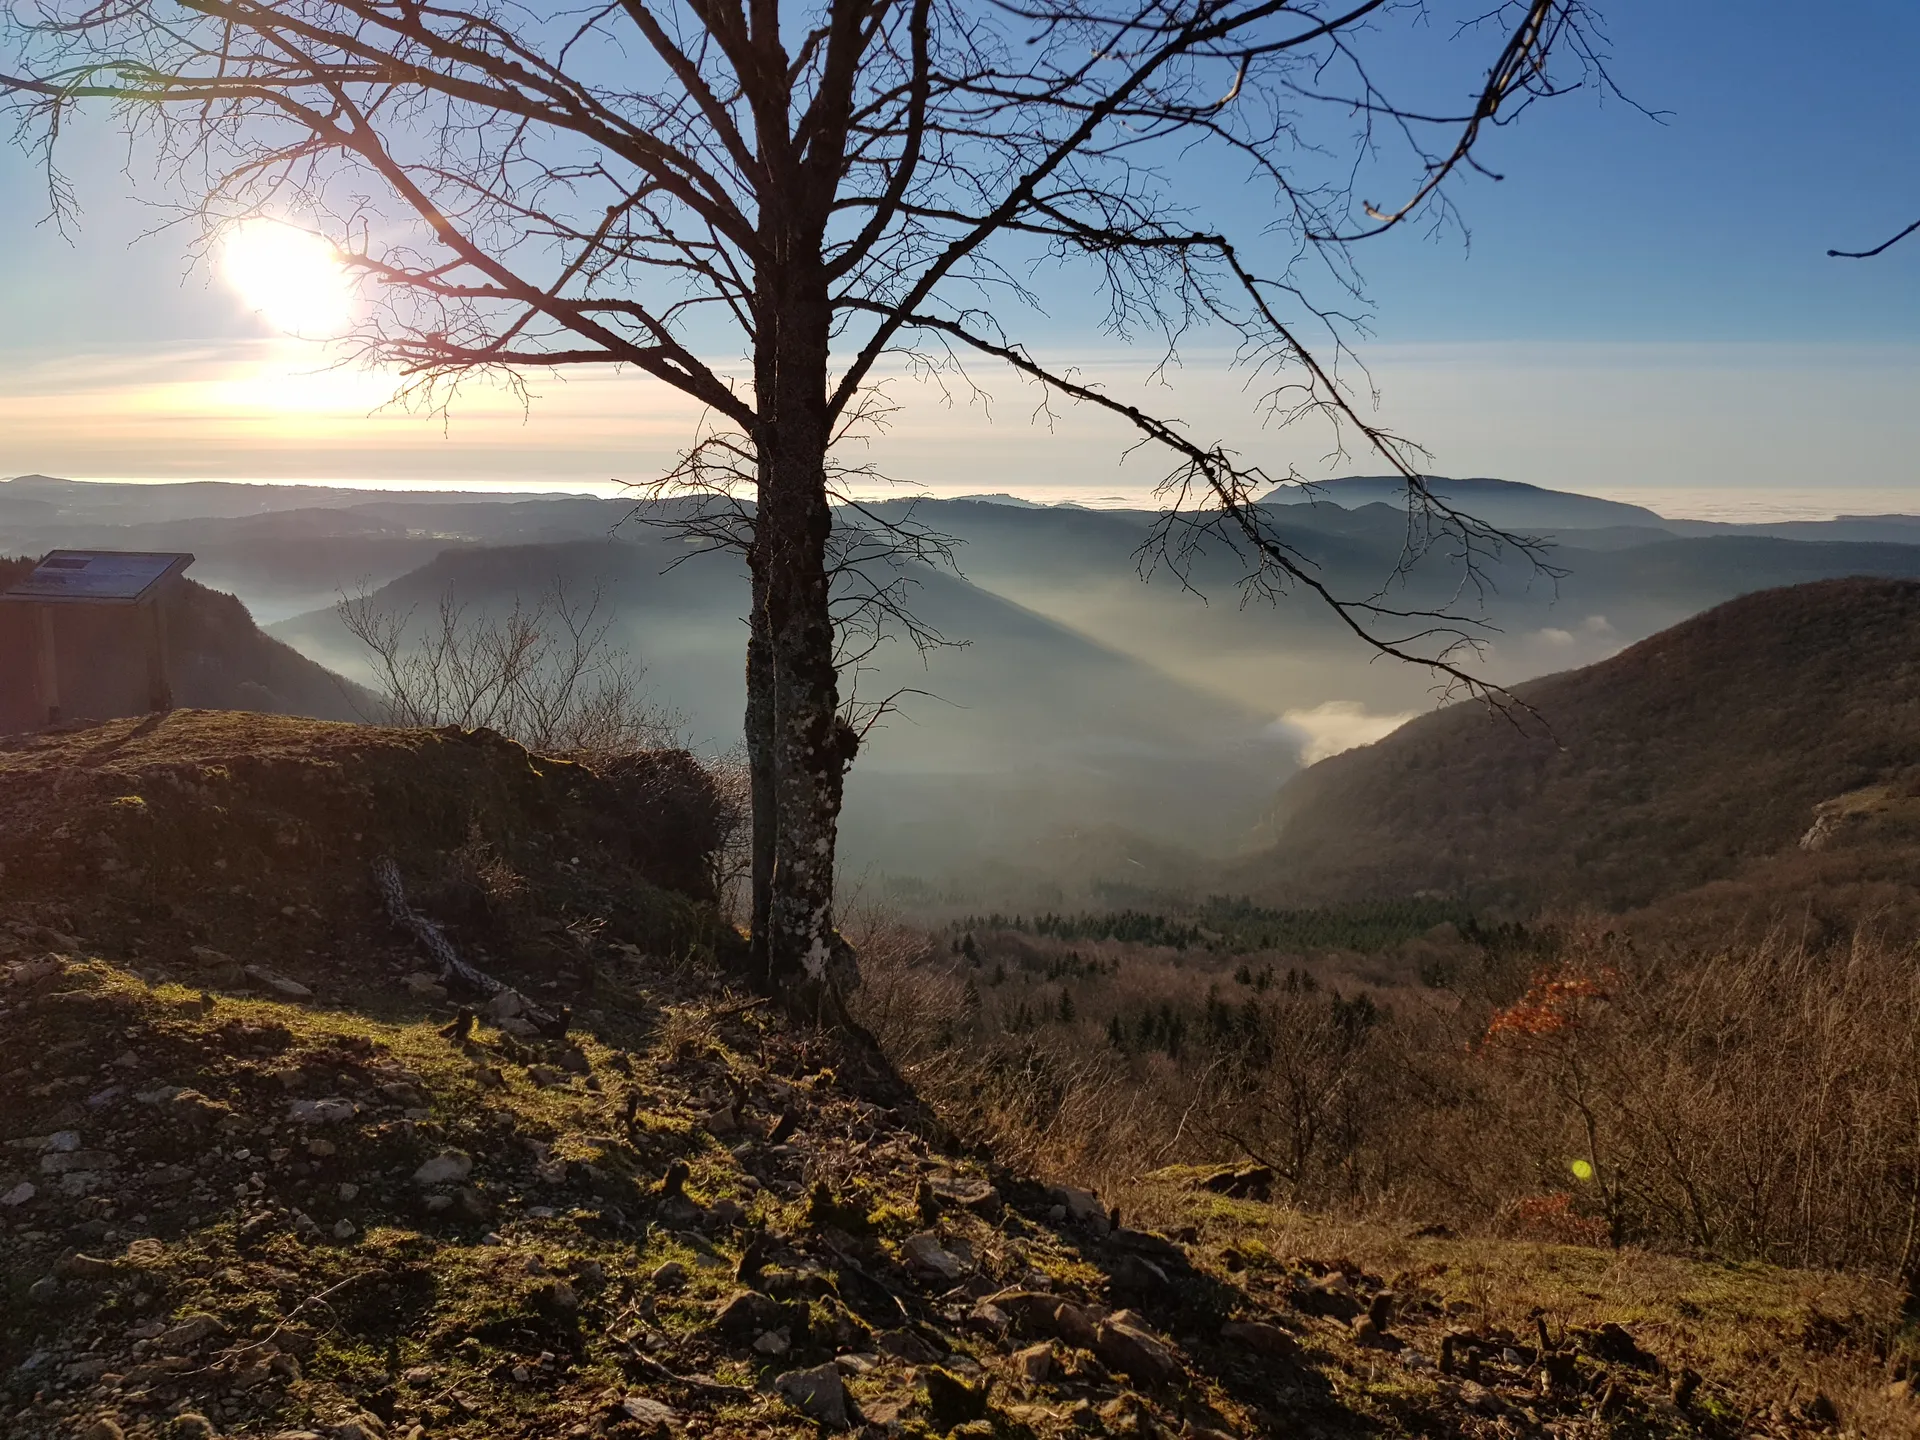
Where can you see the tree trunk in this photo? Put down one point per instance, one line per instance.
(805, 747)
(760, 769)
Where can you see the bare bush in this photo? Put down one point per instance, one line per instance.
(549, 674)
(1042, 1095)
(1761, 1101)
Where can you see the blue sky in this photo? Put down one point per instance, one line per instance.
(1784, 130)
(1617, 244)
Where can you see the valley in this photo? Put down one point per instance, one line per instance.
(1084, 716)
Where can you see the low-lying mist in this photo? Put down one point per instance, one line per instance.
(1079, 727)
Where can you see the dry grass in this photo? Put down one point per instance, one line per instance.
(1760, 1335)
(1761, 1102)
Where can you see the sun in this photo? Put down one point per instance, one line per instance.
(291, 278)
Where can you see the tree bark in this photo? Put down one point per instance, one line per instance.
(805, 747)
(760, 769)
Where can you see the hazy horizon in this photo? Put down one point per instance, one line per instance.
(1644, 309)
(1755, 505)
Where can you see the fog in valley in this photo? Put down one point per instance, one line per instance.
(1087, 717)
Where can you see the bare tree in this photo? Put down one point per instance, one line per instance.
(547, 674)
(652, 183)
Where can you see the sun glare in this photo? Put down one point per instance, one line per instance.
(291, 278)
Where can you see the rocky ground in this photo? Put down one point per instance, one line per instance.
(264, 1176)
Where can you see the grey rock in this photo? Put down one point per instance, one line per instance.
(1139, 1274)
(989, 1319)
(906, 1345)
(281, 985)
(975, 1195)
(924, 1252)
(330, 1111)
(447, 1168)
(819, 1394)
(1260, 1337)
(192, 1331)
(951, 1401)
(670, 1276)
(1157, 1248)
(83, 1267)
(1034, 1363)
(645, 1411)
(1126, 1345)
(749, 1314)
(1081, 1205)
(503, 1006)
(1331, 1295)
(1075, 1326)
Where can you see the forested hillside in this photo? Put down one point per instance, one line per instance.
(1672, 764)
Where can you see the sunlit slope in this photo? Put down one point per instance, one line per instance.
(1676, 762)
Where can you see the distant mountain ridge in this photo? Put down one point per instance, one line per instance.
(1506, 504)
(1671, 765)
(1086, 699)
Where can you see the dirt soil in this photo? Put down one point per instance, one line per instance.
(263, 1176)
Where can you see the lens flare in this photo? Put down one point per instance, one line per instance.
(1582, 1170)
(291, 278)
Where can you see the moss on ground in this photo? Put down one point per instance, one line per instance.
(213, 1200)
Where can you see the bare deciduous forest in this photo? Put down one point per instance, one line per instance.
(1562, 1083)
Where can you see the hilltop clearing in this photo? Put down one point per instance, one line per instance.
(263, 1177)
(1680, 761)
